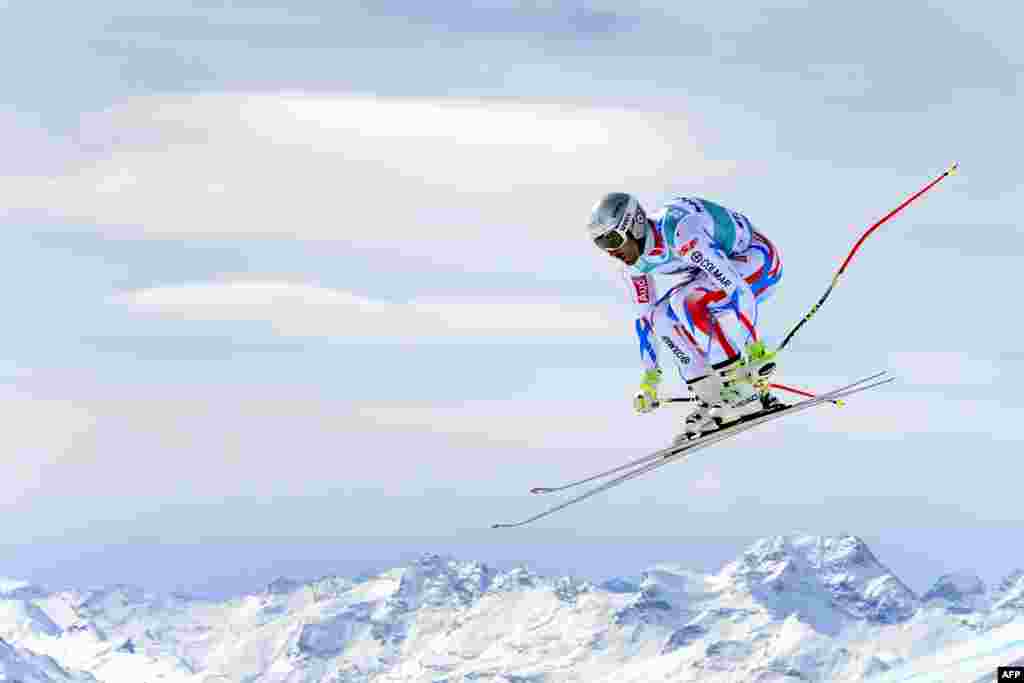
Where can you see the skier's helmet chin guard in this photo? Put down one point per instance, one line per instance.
(617, 214)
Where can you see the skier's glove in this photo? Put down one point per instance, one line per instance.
(646, 399)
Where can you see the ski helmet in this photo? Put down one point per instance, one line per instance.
(615, 216)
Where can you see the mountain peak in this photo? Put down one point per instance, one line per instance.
(818, 551)
(427, 560)
(434, 563)
(1012, 579)
(1009, 594)
(18, 589)
(439, 580)
(282, 586)
(959, 591)
(8, 585)
(119, 595)
(793, 607)
(839, 571)
(516, 578)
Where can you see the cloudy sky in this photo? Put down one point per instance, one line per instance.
(302, 290)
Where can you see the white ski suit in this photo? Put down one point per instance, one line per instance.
(719, 269)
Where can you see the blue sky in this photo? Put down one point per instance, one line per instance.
(306, 289)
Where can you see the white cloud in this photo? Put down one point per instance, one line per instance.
(929, 368)
(892, 416)
(28, 149)
(300, 309)
(38, 435)
(143, 445)
(412, 174)
(152, 441)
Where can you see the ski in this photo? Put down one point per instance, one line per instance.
(684, 450)
(675, 448)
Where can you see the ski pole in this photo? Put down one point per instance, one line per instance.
(849, 257)
(773, 385)
(800, 392)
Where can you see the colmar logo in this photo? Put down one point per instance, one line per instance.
(708, 267)
(643, 290)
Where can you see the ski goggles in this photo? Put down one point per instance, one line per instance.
(612, 240)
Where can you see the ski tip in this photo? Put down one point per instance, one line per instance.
(540, 489)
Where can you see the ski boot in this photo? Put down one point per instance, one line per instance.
(760, 363)
(740, 399)
(747, 384)
(737, 390)
(707, 393)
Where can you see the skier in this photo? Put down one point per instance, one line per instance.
(721, 269)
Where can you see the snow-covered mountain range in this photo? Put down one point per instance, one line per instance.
(790, 608)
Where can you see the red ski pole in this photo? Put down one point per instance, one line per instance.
(849, 257)
(801, 392)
